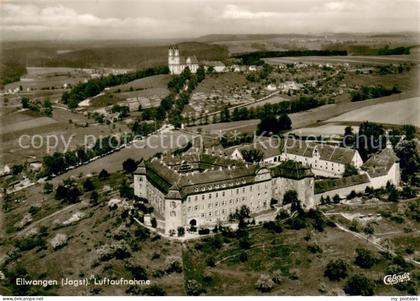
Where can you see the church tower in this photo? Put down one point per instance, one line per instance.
(173, 59)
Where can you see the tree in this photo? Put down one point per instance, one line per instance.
(369, 229)
(240, 215)
(272, 124)
(364, 258)
(69, 193)
(290, 197)
(26, 102)
(268, 124)
(336, 270)
(94, 196)
(284, 122)
(350, 170)
(126, 191)
(88, 185)
(371, 138)
(359, 285)
(17, 169)
(201, 73)
(409, 131)
(48, 109)
(181, 231)
(103, 174)
(348, 139)
(336, 199)
(409, 160)
(252, 155)
(129, 165)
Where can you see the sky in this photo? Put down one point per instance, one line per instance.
(140, 19)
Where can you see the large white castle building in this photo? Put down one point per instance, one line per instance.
(201, 189)
(178, 63)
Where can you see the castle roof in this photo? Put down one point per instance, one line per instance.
(379, 164)
(292, 170)
(333, 184)
(270, 147)
(326, 152)
(206, 173)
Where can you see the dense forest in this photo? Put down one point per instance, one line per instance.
(254, 58)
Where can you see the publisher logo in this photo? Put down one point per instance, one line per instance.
(396, 278)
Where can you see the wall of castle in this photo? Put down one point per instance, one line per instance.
(319, 167)
(393, 176)
(140, 186)
(210, 208)
(342, 192)
(304, 188)
(173, 216)
(156, 198)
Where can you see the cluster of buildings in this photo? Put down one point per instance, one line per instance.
(201, 188)
(178, 63)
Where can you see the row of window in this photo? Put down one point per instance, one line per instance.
(223, 193)
(222, 204)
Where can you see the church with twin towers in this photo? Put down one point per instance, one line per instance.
(178, 63)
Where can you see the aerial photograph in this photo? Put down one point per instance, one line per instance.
(233, 148)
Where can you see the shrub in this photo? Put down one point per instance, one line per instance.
(273, 226)
(153, 290)
(88, 185)
(103, 174)
(336, 270)
(194, 288)
(181, 231)
(211, 262)
(364, 258)
(204, 231)
(359, 285)
(314, 248)
(243, 257)
(264, 283)
(369, 229)
(174, 267)
(354, 226)
(277, 277)
(137, 272)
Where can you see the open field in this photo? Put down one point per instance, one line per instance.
(24, 125)
(46, 78)
(15, 124)
(399, 112)
(311, 117)
(374, 60)
(325, 129)
(270, 100)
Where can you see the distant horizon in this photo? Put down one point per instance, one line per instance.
(23, 20)
(194, 38)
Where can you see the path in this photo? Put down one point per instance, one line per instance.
(33, 224)
(373, 243)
